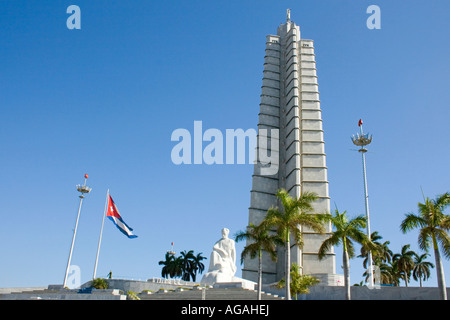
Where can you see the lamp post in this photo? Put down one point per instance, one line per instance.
(83, 189)
(363, 140)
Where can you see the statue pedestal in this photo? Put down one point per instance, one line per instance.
(237, 283)
(215, 276)
(218, 280)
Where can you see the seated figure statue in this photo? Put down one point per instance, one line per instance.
(222, 265)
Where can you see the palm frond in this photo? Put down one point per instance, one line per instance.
(312, 221)
(411, 222)
(251, 250)
(326, 246)
(444, 240)
(445, 223)
(350, 248)
(358, 222)
(442, 201)
(241, 235)
(424, 240)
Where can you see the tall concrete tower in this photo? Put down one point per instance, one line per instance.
(290, 105)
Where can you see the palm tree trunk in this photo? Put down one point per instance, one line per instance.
(260, 275)
(440, 271)
(346, 273)
(288, 267)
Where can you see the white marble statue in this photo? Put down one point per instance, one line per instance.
(222, 265)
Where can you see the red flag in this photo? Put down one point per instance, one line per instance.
(360, 123)
(86, 176)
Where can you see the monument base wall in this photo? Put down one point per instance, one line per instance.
(363, 293)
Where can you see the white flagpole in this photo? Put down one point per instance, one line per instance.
(101, 232)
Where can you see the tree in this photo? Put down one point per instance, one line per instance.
(190, 264)
(260, 239)
(405, 262)
(421, 268)
(433, 227)
(346, 231)
(171, 266)
(166, 265)
(198, 265)
(381, 255)
(384, 273)
(185, 266)
(300, 284)
(394, 273)
(296, 212)
(188, 267)
(365, 250)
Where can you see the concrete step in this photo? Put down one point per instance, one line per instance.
(210, 294)
(64, 294)
(60, 296)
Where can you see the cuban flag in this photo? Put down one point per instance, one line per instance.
(114, 216)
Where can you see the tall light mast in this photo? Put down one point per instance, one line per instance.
(362, 140)
(83, 189)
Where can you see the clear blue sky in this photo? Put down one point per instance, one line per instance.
(105, 99)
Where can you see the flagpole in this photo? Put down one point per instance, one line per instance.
(101, 232)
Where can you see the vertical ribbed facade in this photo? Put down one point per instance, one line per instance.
(290, 103)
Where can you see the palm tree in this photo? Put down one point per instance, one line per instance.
(294, 214)
(185, 266)
(346, 231)
(405, 262)
(260, 239)
(433, 226)
(198, 265)
(188, 265)
(374, 236)
(165, 263)
(300, 284)
(395, 273)
(172, 266)
(381, 255)
(422, 268)
(385, 273)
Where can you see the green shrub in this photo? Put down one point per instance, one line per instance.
(99, 283)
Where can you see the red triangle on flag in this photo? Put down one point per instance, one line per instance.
(112, 209)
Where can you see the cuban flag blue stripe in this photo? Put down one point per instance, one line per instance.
(123, 227)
